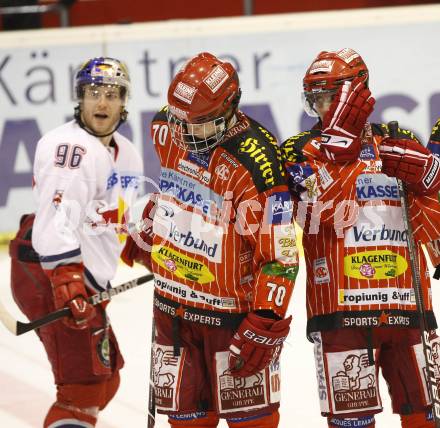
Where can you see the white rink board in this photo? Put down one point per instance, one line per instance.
(26, 382)
(270, 52)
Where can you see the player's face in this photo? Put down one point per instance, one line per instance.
(322, 103)
(101, 108)
(203, 130)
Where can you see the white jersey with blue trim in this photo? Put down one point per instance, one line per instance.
(83, 190)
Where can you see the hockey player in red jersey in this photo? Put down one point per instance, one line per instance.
(82, 171)
(223, 254)
(360, 300)
(431, 159)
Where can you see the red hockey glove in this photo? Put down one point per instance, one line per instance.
(256, 343)
(343, 124)
(414, 164)
(138, 245)
(69, 290)
(132, 252)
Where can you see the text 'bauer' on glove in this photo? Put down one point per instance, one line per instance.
(69, 291)
(257, 342)
(343, 124)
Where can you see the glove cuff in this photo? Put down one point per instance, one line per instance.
(264, 332)
(68, 273)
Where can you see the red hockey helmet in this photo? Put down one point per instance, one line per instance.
(202, 97)
(329, 71)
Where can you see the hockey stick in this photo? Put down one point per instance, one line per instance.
(418, 292)
(151, 393)
(17, 327)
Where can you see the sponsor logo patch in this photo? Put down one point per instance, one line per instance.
(190, 192)
(256, 152)
(323, 66)
(194, 171)
(201, 159)
(377, 226)
(376, 186)
(222, 172)
(433, 370)
(353, 381)
(112, 180)
(280, 208)
(187, 314)
(320, 371)
(312, 192)
(181, 265)
(299, 173)
(239, 393)
(103, 350)
(277, 269)
(377, 236)
(167, 369)
(246, 272)
(347, 55)
(179, 290)
(286, 251)
(373, 166)
(103, 70)
(367, 152)
(229, 159)
(377, 296)
(188, 416)
(216, 78)
(325, 178)
(188, 231)
(178, 112)
(384, 319)
(358, 422)
(184, 92)
(321, 273)
(379, 264)
(129, 181)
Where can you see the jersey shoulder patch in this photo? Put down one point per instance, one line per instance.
(292, 148)
(257, 150)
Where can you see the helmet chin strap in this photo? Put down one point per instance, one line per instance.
(82, 125)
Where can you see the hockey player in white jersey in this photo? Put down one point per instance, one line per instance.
(85, 173)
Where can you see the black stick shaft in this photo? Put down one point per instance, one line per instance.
(17, 327)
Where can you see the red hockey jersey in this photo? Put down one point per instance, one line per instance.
(223, 237)
(358, 267)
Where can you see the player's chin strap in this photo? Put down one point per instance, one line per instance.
(77, 116)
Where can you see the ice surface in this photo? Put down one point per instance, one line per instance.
(27, 391)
